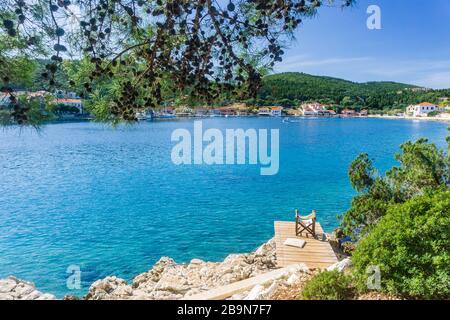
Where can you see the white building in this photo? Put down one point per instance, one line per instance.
(276, 111)
(313, 109)
(264, 112)
(422, 109)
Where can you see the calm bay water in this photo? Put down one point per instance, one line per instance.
(111, 201)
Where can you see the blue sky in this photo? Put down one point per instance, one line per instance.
(412, 46)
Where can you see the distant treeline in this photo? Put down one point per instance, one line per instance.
(291, 89)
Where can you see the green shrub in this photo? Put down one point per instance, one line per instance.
(432, 114)
(411, 246)
(328, 285)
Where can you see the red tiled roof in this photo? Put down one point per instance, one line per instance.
(426, 104)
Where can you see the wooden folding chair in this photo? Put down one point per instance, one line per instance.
(305, 223)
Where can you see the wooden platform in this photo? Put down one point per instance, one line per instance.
(317, 253)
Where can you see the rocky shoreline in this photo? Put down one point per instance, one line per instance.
(12, 288)
(168, 280)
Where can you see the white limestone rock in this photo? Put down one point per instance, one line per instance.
(12, 288)
(197, 261)
(341, 265)
(169, 280)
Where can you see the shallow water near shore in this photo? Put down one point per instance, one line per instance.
(112, 202)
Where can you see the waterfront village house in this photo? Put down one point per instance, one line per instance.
(364, 113)
(71, 103)
(201, 111)
(313, 109)
(169, 110)
(276, 111)
(422, 109)
(264, 111)
(410, 109)
(348, 112)
(35, 95)
(184, 111)
(226, 111)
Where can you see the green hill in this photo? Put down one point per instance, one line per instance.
(293, 88)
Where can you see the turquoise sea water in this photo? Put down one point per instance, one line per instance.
(112, 202)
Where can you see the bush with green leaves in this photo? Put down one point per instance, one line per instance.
(328, 285)
(411, 246)
(423, 167)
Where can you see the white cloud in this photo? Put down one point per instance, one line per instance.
(431, 73)
(408, 67)
(440, 80)
(427, 73)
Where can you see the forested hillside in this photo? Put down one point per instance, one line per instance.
(290, 89)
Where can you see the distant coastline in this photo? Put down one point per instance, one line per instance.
(373, 116)
(438, 119)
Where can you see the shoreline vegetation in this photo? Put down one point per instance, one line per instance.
(284, 94)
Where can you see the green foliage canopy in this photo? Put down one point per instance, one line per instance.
(204, 47)
(411, 245)
(422, 167)
(328, 285)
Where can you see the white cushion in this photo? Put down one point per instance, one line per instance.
(307, 222)
(299, 243)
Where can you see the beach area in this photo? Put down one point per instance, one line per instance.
(442, 118)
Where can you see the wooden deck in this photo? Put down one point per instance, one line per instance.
(317, 253)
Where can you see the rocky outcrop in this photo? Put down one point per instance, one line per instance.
(271, 289)
(341, 265)
(12, 288)
(169, 280)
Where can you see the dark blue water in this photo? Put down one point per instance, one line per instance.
(112, 202)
